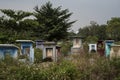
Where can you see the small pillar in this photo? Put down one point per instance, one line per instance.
(77, 44)
(108, 44)
(58, 52)
(92, 48)
(27, 49)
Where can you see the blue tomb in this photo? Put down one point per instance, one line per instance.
(8, 49)
(27, 49)
(108, 44)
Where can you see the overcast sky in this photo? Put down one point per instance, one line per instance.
(83, 10)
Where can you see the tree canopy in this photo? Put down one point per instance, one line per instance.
(53, 22)
(49, 23)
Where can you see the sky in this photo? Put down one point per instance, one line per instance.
(83, 11)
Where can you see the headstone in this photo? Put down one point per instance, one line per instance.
(49, 50)
(27, 49)
(77, 44)
(108, 44)
(115, 51)
(8, 49)
(100, 48)
(92, 47)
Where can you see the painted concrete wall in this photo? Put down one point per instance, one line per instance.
(30, 53)
(13, 52)
(108, 44)
(54, 55)
(92, 48)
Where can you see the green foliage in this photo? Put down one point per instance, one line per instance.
(78, 67)
(91, 39)
(93, 30)
(54, 22)
(113, 28)
(38, 55)
(65, 47)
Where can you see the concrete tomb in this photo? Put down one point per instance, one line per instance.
(115, 51)
(8, 49)
(92, 47)
(39, 44)
(77, 44)
(50, 50)
(108, 44)
(100, 48)
(27, 49)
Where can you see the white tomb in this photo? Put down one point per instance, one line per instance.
(92, 47)
(77, 45)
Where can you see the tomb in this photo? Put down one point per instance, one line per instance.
(100, 48)
(39, 44)
(50, 50)
(77, 44)
(8, 49)
(27, 49)
(108, 44)
(92, 48)
(115, 51)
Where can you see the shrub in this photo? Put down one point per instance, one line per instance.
(38, 55)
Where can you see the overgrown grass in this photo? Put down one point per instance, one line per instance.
(76, 67)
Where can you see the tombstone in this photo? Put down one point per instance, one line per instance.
(92, 48)
(115, 51)
(8, 49)
(100, 48)
(49, 50)
(77, 44)
(108, 44)
(27, 49)
(39, 44)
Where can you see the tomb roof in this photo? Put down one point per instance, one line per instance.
(109, 40)
(25, 41)
(9, 45)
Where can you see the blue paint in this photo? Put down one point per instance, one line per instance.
(12, 51)
(108, 44)
(27, 48)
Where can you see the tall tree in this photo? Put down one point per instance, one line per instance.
(94, 31)
(113, 28)
(11, 23)
(53, 22)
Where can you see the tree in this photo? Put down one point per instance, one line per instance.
(53, 22)
(113, 28)
(93, 31)
(12, 25)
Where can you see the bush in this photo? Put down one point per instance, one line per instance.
(38, 55)
(65, 48)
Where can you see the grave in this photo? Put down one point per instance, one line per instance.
(115, 51)
(27, 49)
(8, 49)
(92, 48)
(100, 48)
(77, 44)
(108, 44)
(39, 44)
(49, 50)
